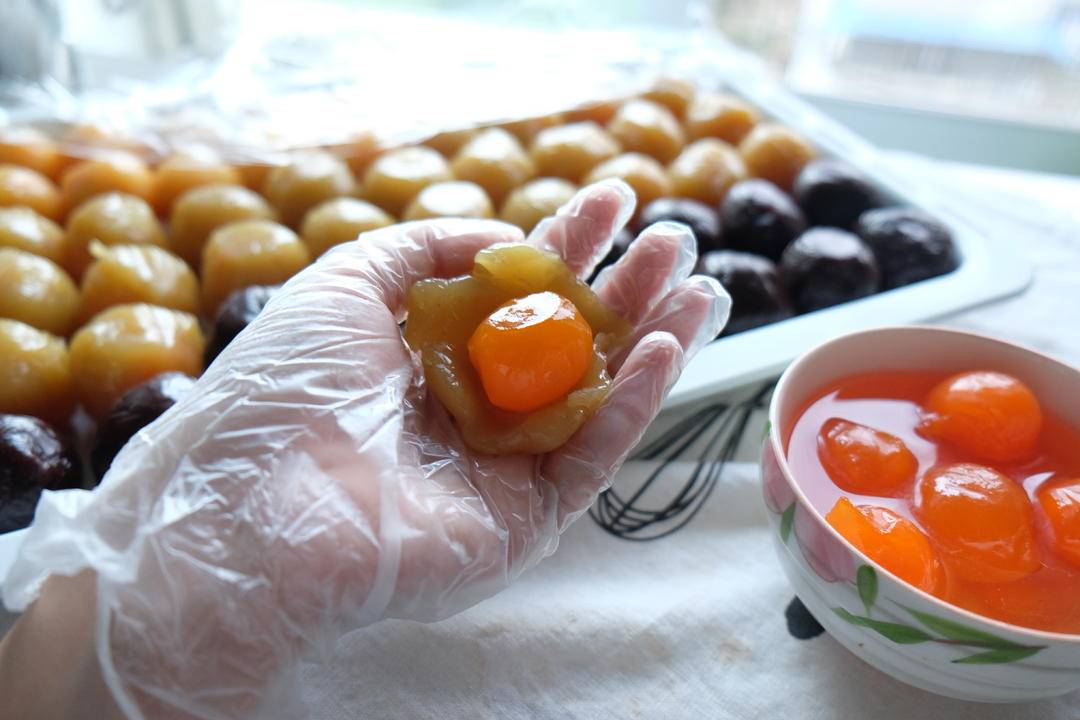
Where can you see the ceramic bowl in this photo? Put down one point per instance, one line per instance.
(911, 635)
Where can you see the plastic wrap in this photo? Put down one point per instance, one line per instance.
(317, 77)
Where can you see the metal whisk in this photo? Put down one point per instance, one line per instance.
(718, 429)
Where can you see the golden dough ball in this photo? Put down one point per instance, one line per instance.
(448, 143)
(112, 171)
(122, 274)
(720, 116)
(23, 187)
(673, 93)
(599, 112)
(112, 218)
(536, 200)
(248, 252)
(643, 126)
(37, 291)
(253, 174)
(495, 161)
(453, 198)
(360, 151)
(199, 212)
(396, 177)
(188, 169)
(644, 174)
(85, 140)
(705, 170)
(340, 220)
(571, 151)
(308, 179)
(30, 148)
(527, 129)
(776, 153)
(125, 346)
(35, 373)
(24, 229)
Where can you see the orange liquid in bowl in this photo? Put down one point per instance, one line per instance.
(1006, 537)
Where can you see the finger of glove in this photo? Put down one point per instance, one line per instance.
(581, 232)
(694, 312)
(658, 260)
(391, 259)
(582, 467)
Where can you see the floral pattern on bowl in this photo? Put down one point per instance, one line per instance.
(916, 638)
(834, 563)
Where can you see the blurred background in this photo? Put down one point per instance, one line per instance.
(989, 81)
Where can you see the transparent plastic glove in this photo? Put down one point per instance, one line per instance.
(309, 485)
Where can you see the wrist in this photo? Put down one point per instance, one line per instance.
(48, 663)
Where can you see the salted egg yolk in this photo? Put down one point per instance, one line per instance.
(991, 415)
(1060, 502)
(981, 520)
(890, 540)
(864, 460)
(531, 351)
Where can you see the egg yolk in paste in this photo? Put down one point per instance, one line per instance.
(516, 350)
(531, 351)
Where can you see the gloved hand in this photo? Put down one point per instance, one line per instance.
(310, 485)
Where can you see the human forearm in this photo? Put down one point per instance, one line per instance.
(48, 667)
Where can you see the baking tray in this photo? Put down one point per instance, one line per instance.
(989, 270)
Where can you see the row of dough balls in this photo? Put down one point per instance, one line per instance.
(137, 242)
(672, 141)
(414, 177)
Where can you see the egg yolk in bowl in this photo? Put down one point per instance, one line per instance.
(960, 485)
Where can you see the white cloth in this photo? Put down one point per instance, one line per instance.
(691, 626)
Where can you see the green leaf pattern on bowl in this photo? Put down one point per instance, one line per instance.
(903, 634)
(866, 582)
(787, 520)
(992, 648)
